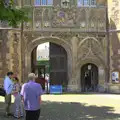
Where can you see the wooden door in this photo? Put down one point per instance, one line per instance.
(58, 65)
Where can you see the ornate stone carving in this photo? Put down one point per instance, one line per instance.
(63, 18)
(65, 3)
(28, 25)
(90, 49)
(64, 35)
(115, 14)
(47, 17)
(83, 18)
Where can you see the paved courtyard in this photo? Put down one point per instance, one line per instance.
(76, 107)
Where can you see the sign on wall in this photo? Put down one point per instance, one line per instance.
(115, 77)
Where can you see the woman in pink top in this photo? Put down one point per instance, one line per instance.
(18, 109)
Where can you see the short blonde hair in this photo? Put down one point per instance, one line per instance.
(31, 76)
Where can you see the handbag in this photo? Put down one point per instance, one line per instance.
(2, 92)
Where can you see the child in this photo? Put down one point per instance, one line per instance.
(18, 109)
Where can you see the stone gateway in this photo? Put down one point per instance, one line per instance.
(87, 31)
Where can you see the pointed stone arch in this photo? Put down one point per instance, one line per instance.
(91, 51)
(90, 48)
(31, 45)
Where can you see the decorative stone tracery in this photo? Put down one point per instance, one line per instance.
(84, 18)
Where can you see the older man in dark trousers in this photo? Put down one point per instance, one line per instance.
(31, 93)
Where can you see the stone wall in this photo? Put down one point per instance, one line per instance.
(114, 28)
(114, 32)
(9, 53)
(15, 52)
(4, 53)
(81, 48)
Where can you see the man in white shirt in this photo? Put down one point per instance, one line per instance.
(8, 87)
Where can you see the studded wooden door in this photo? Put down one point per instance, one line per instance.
(58, 65)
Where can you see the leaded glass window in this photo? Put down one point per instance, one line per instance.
(37, 2)
(50, 2)
(80, 2)
(43, 2)
(86, 2)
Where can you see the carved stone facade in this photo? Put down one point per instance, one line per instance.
(114, 18)
(81, 31)
(81, 48)
(72, 19)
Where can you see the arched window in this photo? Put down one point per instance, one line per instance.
(86, 2)
(43, 2)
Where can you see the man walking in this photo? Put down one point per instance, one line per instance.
(31, 93)
(8, 87)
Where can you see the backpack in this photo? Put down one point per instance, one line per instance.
(2, 92)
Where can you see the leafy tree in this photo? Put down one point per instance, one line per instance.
(11, 14)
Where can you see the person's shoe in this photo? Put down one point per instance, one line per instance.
(21, 116)
(9, 114)
(16, 117)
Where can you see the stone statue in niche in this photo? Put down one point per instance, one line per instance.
(65, 3)
(15, 38)
(47, 17)
(38, 24)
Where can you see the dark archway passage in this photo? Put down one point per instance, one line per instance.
(89, 77)
(58, 73)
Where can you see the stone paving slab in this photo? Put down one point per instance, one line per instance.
(77, 107)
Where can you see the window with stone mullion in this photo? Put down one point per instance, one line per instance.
(86, 2)
(49, 2)
(43, 2)
(37, 2)
(80, 2)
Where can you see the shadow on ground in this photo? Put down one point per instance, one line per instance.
(76, 111)
(70, 111)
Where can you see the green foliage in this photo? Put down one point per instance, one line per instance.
(11, 14)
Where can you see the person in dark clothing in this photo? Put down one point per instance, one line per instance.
(87, 82)
(41, 81)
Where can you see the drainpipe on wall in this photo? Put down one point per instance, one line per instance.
(108, 46)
